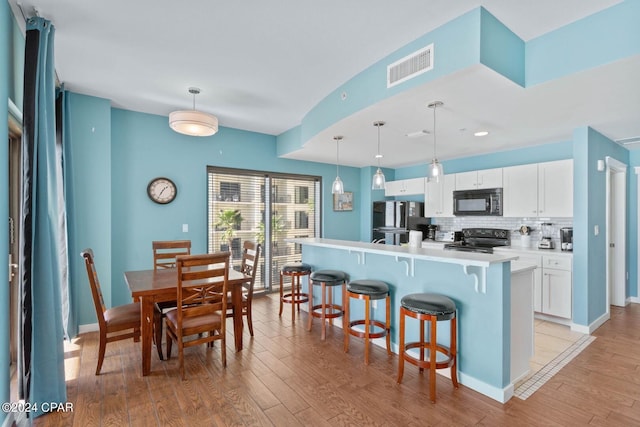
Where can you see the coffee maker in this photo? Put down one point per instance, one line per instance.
(566, 238)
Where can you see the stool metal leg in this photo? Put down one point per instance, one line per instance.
(346, 327)
(388, 337)
(323, 311)
(454, 352)
(433, 343)
(401, 348)
(281, 293)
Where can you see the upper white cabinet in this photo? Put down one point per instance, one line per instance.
(555, 188)
(520, 190)
(404, 187)
(487, 178)
(438, 197)
(539, 190)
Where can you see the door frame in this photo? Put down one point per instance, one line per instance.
(616, 178)
(14, 155)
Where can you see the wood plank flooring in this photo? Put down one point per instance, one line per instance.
(287, 376)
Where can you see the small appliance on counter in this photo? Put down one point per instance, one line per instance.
(566, 238)
(448, 236)
(546, 239)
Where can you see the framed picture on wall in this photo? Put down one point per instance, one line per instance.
(343, 202)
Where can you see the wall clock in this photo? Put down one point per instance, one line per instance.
(162, 190)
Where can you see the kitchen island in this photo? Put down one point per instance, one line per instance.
(480, 284)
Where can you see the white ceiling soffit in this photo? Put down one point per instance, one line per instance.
(263, 65)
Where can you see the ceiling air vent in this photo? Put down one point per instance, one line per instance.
(410, 66)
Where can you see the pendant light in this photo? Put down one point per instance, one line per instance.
(338, 186)
(193, 122)
(379, 181)
(435, 169)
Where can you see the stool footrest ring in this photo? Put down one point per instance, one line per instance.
(331, 311)
(372, 323)
(446, 351)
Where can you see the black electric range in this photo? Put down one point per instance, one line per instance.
(480, 240)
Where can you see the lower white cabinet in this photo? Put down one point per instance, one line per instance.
(552, 281)
(556, 286)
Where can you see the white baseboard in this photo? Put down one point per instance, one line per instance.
(91, 327)
(634, 300)
(592, 327)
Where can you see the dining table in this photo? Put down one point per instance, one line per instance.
(152, 286)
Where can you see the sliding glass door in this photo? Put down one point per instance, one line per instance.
(265, 207)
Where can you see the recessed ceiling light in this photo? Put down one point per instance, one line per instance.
(481, 133)
(418, 134)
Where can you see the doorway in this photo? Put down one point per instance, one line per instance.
(15, 170)
(616, 232)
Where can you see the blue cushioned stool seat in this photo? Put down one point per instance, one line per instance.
(431, 308)
(375, 289)
(367, 290)
(436, 305)
(327, 309)
(296, 267)
(329, 277)
(296, 297)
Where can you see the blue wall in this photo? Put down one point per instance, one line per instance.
(115, 155)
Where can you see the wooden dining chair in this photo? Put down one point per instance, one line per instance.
(164, 256)
(250, 256)
(166, 251)
(199, 316)
(115, 323)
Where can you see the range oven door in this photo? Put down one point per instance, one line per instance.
(478, 202)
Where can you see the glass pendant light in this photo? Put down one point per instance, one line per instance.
(435, 169)
(379, 181)
(338, 186)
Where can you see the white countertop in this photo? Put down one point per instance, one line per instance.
(438, 245)
(428, 254)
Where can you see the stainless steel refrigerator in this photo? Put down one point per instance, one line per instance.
(392, 221)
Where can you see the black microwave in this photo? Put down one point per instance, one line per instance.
(487, 202)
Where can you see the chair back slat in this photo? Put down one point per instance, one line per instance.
(166, 251)
(250, 256)
(96, 291)
(202, 285)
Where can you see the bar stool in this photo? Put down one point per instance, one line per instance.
(295, 297)
(430, 308)
(367, 290)
(327, 280)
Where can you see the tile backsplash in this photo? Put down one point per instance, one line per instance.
(512, 224)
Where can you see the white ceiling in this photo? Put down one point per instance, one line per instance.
(262, 65)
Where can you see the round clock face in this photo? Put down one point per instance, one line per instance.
(162, 190)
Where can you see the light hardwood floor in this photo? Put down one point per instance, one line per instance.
(287, 376)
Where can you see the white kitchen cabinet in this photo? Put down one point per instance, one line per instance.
(474, 180)
(438, 197)
(404, 187)
(538, 190)
(537, 278)
(552, 281)
(556, 292)
(520, 190)
(555, 188)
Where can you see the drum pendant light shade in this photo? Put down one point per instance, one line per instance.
(193, 122)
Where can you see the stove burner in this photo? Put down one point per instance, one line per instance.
(481, 240)
(468, 248)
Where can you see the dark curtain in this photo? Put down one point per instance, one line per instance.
(43, 226)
